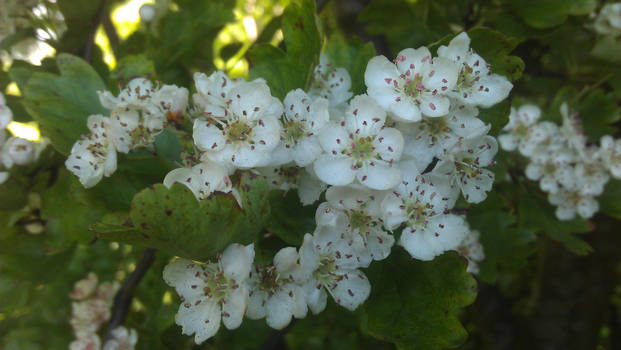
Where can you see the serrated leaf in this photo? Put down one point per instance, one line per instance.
(62, 103)
(414, 303)
(598, 110)
(353, 55)
(289, 219)
(174, 221)
(497, 116)
(610, 200)
(549, 13)
(291, 69)
(495, 47)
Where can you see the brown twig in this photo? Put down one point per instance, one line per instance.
(90, 41)
(123, 298)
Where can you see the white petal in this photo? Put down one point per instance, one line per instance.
(184, 276)
(202, 319)
(334, 171)
(352, 290)
(380, 176)
(234, 307)
(237, 261)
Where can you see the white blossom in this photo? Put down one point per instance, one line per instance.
(568, 203)
(202, 179)
(18, 151)
(212, 93)
(86, 341)
(303, 120)
(608, 20)
(333, 84)
(245, 137)
(611, 155)
(415, 84)
(211, 292)
(6, 116)
(429, 230)
(290, 176)
(276, 292)
(472, 249)
(331, 266)
(94, 156)
(122, 339)
(524, 133)
(84, 287)
(465, 167)
(361, 148)
(172, 99)
(476, 84)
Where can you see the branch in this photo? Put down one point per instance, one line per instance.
(123, 298)
(90, 41)
(276, 339)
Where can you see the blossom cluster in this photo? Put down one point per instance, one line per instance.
(15, 150)
(392, 164)
(608, 20)
(90, 309)
(572, 172)
(138, 114)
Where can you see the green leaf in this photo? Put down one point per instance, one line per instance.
(598, 110)
(506, 246)
(537, 215)
(62, 103)
(610, 200)
(353, 55)
(414, 303)
(494, 47)
(173, 221)
(497, 116)
(289, 219)
(21, 34)
(549, 13)
(133, 66)
(291, 69)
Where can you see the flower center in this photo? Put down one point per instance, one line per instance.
(466, 79)
(418, 213)
(521, 131)
(238, 131)
(435, 127)
(325, 272)
(217, 285)
(359, 220)
(413, 87)
(294, 131)
(362, 150)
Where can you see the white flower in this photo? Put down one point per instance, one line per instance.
(551, 168)
(107, 290)
(303, 120)
(360, 147)
(136, 95)
(88, 315)
(18, 151)
(211, 292)
(331, 83)
(476, 84)
(86, 341)
(147, 12)
(4, 176)
(172, 99)
(434, 137)
(6, 116)
(568, 203)
(331, 266)
(122, 339)
(93, 156)
(465, 167)
(276, 292)
(290, 176)
(571, 130)
(414, 84)
(245, 137)
(202, 179)
(212, 93)
(429, 230)
(608, 21)
(472, 249)
(611, 155)
(84, 287)
(590, 173)
(523, 131)
(361, 208)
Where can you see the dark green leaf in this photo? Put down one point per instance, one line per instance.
(494, 47)
(549, 13)
(353, 55)
(289, 219)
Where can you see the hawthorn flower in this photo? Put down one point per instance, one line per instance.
(552, 168)
(94, 156)
(289, 176)
(608, 21)
(591, 174)
(465, 167)
(333, 84)
(245, 137)
(86, 341)
(211, 292)
(415, 84)
(122, 339)
(570, 202)
(303, 120)
(173, 100)
(88, 315)
(84, 287)
(202, 179)
(212, 93)
(18, 151)
(435, 137)
(276, 292)
(6, 116)
(429, 231)
(136, 95)
(361, 208)
(571, 130)
(611, 155)
(472, 249)
(360, 147)
(476, 84)
(331, 266)
(524, 133)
